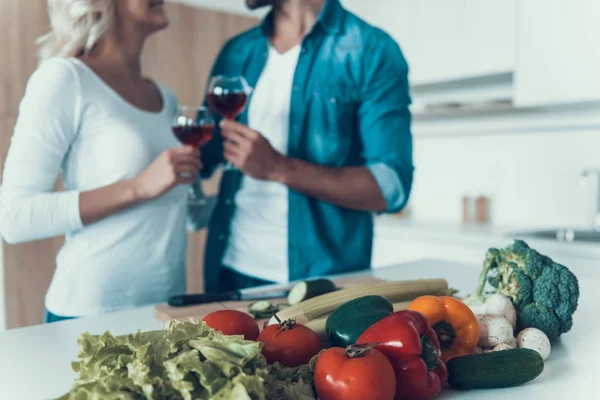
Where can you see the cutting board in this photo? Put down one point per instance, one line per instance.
(164, 312)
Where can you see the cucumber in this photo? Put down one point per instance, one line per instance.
(350, 320)
(261, 309)
(308, 289)
(498, 369)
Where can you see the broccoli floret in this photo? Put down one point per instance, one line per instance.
(542, 318)
(544, 293)
(526, 259)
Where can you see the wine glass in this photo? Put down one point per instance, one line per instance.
(194, 126)
(228, 96)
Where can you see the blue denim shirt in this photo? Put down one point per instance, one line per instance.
(349, 107)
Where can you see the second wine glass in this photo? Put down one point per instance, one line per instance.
(194, 126)
(228, 97)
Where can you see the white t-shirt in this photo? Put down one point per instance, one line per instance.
(71, 121)
(258, 243)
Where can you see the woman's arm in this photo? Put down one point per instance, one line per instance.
(173, 167)
(47, 124)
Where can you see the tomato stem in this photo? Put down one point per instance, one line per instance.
(359, 350)
(285, 325)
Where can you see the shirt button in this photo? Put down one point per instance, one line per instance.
(303, 50)
(228, 202)
(295, 127)
(221, 237)
(296, 88)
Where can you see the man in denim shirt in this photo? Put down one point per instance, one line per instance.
(324, 144)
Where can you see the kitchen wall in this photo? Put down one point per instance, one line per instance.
(531, 177)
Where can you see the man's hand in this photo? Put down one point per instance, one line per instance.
(354, 188)
(250, 152)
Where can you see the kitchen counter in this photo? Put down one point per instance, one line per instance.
(35, 361)
(401, 240)
(388, 226)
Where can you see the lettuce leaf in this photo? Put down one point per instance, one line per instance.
(185, 360)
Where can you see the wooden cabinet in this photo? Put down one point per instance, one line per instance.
(558, 53)
(180, 57)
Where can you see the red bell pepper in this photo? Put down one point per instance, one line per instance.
(412, 346)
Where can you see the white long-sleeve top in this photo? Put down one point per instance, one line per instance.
(71, 121)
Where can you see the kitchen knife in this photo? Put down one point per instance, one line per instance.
(237, 295)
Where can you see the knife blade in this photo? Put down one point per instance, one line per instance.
(237, 295)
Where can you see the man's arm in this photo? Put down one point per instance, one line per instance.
(350, 187)
(384, 183)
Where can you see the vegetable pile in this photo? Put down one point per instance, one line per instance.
(395, 340)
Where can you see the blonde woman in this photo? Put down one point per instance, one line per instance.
(89, 113)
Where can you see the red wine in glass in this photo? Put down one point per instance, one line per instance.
(229, 104)
(193, 126)
(228, 96)
(195, 136)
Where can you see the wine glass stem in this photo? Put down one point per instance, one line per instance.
(197, 193)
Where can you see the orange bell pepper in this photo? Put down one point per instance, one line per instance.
(453, 321)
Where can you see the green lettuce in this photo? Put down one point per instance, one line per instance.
(185, 360)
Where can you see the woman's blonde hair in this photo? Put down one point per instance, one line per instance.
(76, 26)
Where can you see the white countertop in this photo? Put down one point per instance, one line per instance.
(393, 227)
(35, 362)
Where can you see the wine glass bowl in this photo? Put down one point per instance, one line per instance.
(193, 126)
(228, 96)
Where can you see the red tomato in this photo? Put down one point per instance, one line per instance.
(292, 345)
(232, 322)
(369, 376)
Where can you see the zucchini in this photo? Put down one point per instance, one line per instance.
(498, 369)
(308, 289)
(396, 292)
(351, 319)
(261, 309)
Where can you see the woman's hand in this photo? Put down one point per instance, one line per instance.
(178, 166)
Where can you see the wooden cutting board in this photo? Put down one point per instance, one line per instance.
(164, 312)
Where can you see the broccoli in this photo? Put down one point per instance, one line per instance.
(544, 293)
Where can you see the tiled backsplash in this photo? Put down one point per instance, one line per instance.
(531, 178)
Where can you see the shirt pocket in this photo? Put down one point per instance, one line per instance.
(332, 122)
